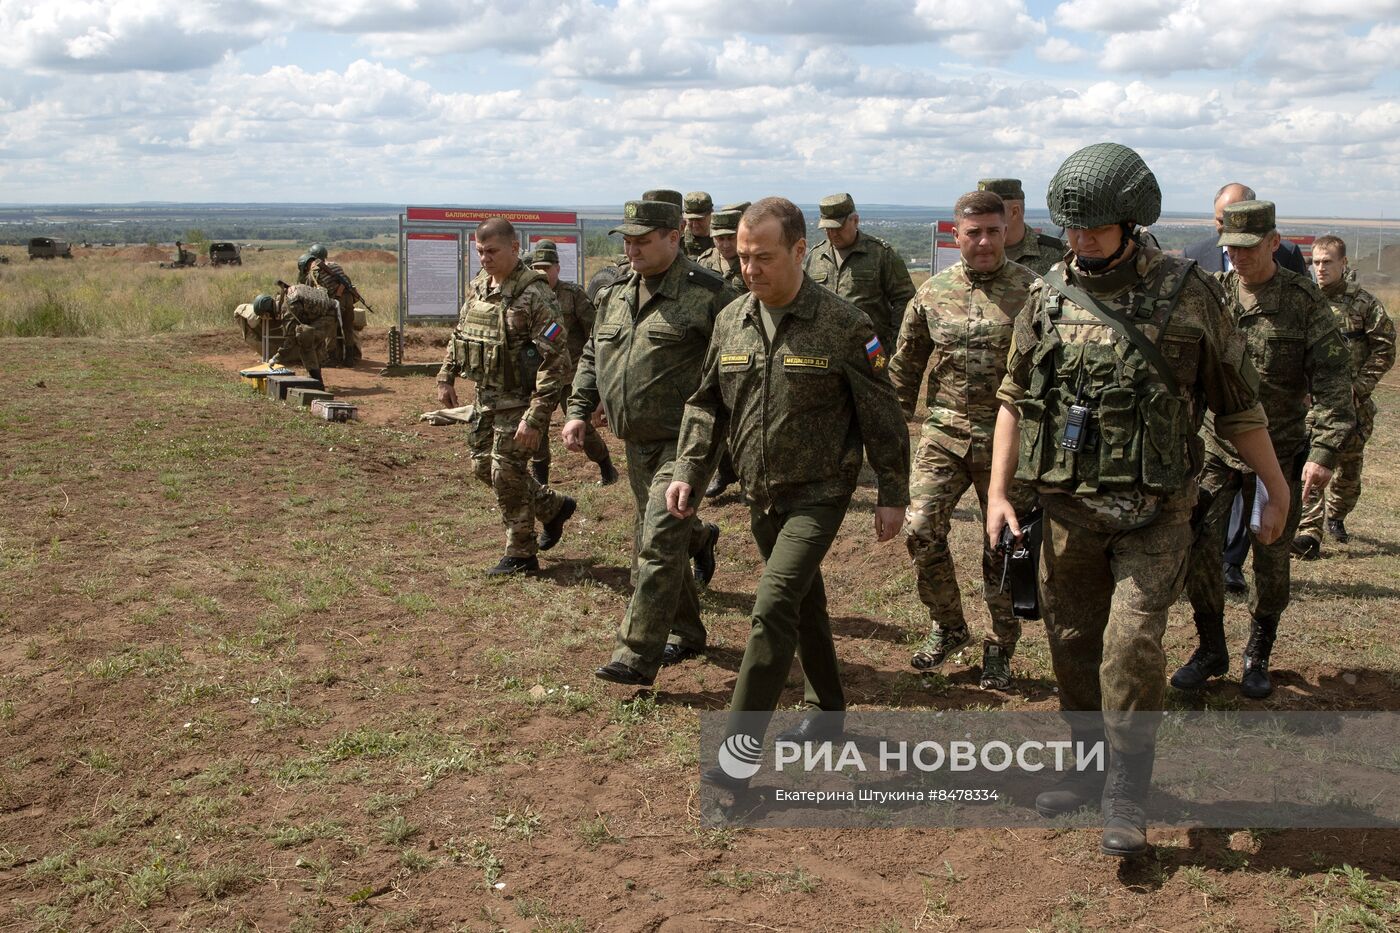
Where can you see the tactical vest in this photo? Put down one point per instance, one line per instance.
(481, 345)
(1098, 417)
(308, 304)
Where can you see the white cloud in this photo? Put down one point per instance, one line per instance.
(1059, 51)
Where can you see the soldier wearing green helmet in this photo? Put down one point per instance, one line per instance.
(317, 269)
(1115, 360)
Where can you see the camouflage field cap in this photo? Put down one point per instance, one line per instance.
(725, 222)
(834, 210)
(1247, 223)
(642, 217)
(1009, 188)
(546, 253)
(664, 194)
(698, 204)
(739, 206)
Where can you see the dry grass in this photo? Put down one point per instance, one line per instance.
(105, 296)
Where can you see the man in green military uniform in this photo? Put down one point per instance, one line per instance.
(863, 269)
(576, 314)
(961, 318)
(641, 364)
(510, 343)
(323, 273)
(795, 385)
(723, 257)
(1370, 337)
(1114, 361)
(308, 318)
(1024, 246)
(622, 265)
(1299, 355)
(699, 207)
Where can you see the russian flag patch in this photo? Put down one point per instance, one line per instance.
(873, 348)
(552, 332)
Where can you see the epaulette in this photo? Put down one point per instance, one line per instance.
(1050, 242)
(705, 278)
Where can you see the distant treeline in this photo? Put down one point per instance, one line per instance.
(236, 231)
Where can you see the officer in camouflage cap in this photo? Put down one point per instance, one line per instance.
(795, 383)
(961, 318)
(723, 258)
(699, 207)
(576, 314)
(1114, 361)
(863, 269)
(1036, 251)
(640, 365)
(621, 266)
(510, 343)
(1293, 342)
(1370, 337)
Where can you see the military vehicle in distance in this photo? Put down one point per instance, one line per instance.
(225, 254)
(43, 247)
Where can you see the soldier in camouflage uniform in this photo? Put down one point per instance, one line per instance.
(1114, 361)
(641, 364)
(308, 317)
(699, 207)
(576, 314)
(510, 343)
(795, 384)
(863, 269)
(323, 273)
(1296, 349)
(962, 318)
(1370, 336)
(622, 265)
(1024, 246)
(723, 257)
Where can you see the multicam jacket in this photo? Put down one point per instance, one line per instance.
(531, 315)
(641, 364)
(961, 319)
(797, 411)
(873, 278)
(1206, 353)
(1295, 347)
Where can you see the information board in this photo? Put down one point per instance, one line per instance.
(431, 283)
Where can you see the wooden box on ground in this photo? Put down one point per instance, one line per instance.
(302, 398)
(277, 386)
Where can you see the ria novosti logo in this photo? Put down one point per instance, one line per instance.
(740, 756)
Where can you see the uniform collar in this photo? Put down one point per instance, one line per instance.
(671, 279)
(981, 278)
(1337, 289)
(804, 304)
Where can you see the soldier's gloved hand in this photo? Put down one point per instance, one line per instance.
(1315, 479)
(678, 498)
(573, 433)
(447, 395)
(527, 436)
(888, 520)
(1000, 512)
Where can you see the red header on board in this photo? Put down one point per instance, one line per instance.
(473, 215)
(433, 236)
(1302, 240)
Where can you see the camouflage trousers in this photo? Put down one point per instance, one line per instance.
(665, 603)
(347, 330)
(1206, 582)
(1105, 596)
(501, 463)
(594, 447)
(1342, 493)
(312, 341)
(937, 482)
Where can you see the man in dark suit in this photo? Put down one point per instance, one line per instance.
(1213, 258)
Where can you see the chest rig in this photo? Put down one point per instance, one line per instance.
(482, 347)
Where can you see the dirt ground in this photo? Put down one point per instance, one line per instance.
(252, 677)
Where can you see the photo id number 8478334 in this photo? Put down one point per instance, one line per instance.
(962, 794)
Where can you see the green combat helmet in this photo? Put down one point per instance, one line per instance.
(317, 251)
(1103, 184)
(264, 306)
(304, 263)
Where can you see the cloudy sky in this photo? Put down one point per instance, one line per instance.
(589, 101)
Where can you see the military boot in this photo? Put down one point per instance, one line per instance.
(540, 471)
(510, 565)
(1075, 788)
(1255, 683)
(724, 477)
(1125, 793)
(1338, 530)
(1306, 547)
(553, 530)
(938, 646)
(607, 473)
(1210, 659)
(996, 667)
(316, 374)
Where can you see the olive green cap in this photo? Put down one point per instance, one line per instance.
(546, 253)
(739, 206)
(664, 194)
(698, 204)
(642, 217)
(725, 222)
(834, 210)
(1009, 188)
(1247, 223)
